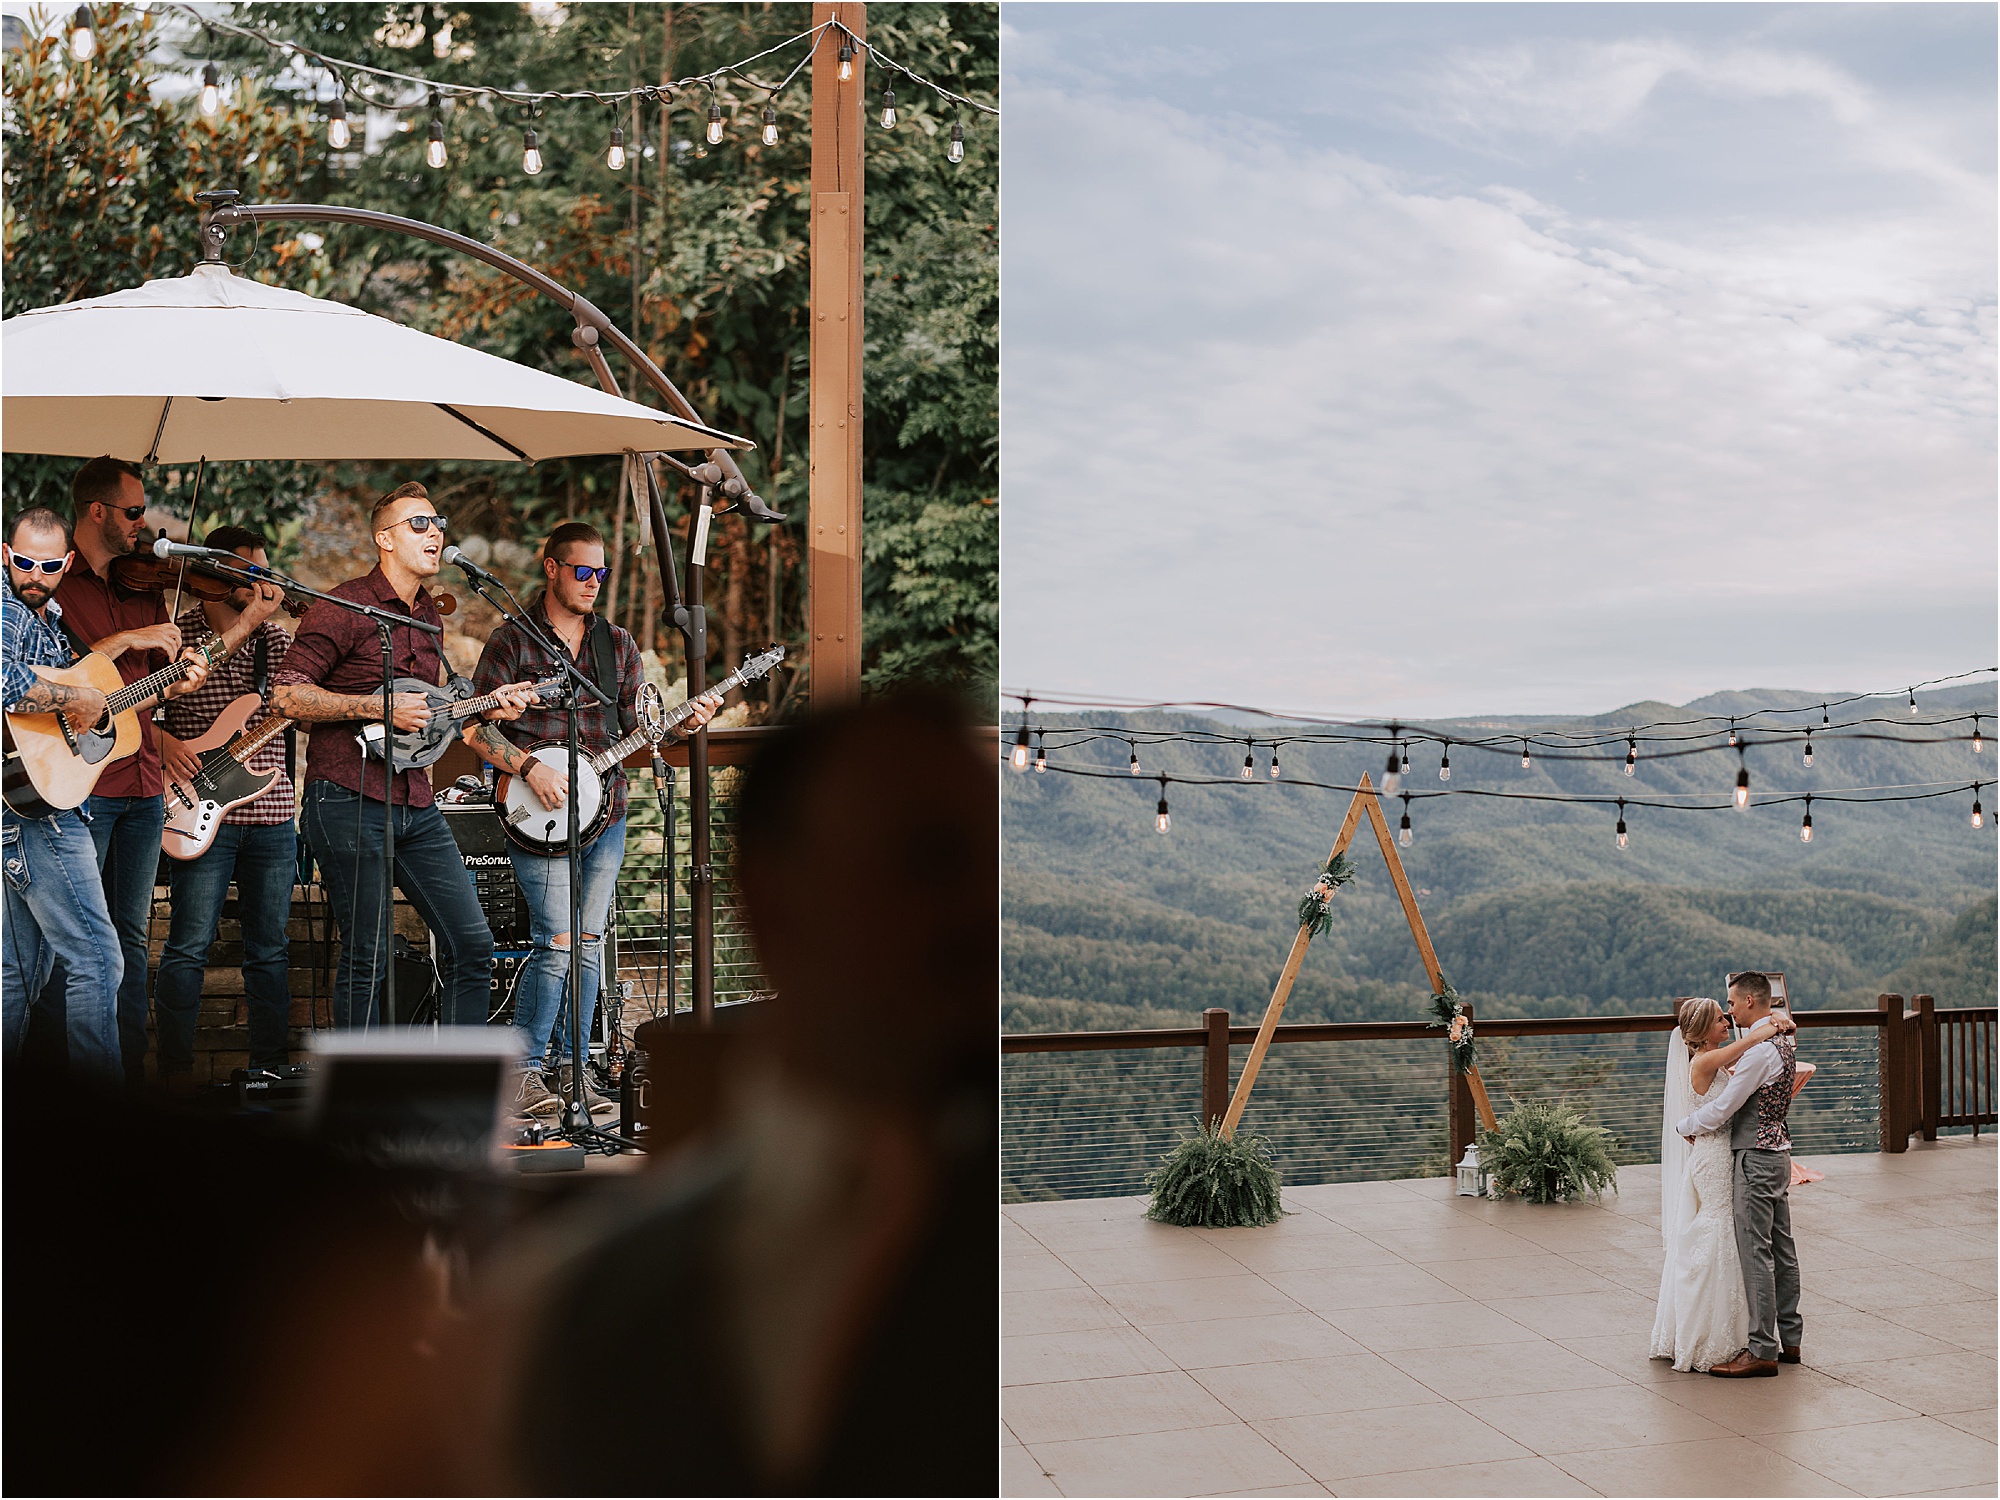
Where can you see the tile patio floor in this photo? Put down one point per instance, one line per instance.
(1390, 1338)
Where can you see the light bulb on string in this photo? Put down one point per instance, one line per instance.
(1392, 774)
(1405, 766)
(1274, 762)
(1808, 754)
(1135, 756)
(1621, 823)
(1977, 743)
(888, 108)
(1019, 759)
(770, 132)
(614, 158)
(1913, 700)
(1526, 761)
(211, 92)
(1249, 761)
(434, 154)
(1805, 828)
(846, 61)
(82, 35)
(955, 152)
(1978, 814)
(1742, 783)
(1631, 755)
(1161, 820)
(714, 135)
(1041, 753)
(1732, 733)
(531, 154)
(337, 134)
(1403, 831)
(1444, 766)
(1823, 719)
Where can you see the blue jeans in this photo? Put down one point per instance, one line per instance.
(345, 832)
(539, 1008)
(264, 861)
(56, 914)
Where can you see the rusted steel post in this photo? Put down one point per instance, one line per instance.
(1891, 1069)
(1214, 1067)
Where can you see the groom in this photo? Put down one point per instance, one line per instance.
(1755, 1102)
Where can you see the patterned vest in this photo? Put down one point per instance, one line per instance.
(1760, 1124)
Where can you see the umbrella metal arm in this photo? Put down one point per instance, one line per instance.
(221, 213)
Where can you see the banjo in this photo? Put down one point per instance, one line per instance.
(545, 830)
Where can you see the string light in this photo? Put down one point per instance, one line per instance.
(82, 35)
(1019, 759)
(1403, 831)
(888, 108)
(434, 153)
(1978, 815)
(1823, 719)
(846, 60)
(1161, 820)
(211, 92)
(955, 153)
(337, 134)
(1525, 761)
(1913, 700)
(1444, 766)
(531, 154)
(1631, 755)
(714, 136)
(615, 157)
(1135, 758)
(1808, 755)
(1249, 760)
(1742, 782)
(1977, 743)
(1621, 823)
(1732, 732)
(1041, 753)
(1405, 767)
(1392, 774)
(1274, 762)
(1805, 828)
(770, 134)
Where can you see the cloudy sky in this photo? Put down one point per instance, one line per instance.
(1456, 358)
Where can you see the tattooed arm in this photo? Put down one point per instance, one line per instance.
(82, 706)
(488, 741)
(305, 703)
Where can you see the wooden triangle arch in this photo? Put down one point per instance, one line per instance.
(1365, 800)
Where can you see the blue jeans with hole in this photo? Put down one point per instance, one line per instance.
(55, 914)
(539, 1008)
(345, 832)
(263, 860)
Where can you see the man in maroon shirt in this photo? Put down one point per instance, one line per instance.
(125, 809)
(332, 680)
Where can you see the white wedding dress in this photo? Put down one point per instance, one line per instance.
(1704, 1315)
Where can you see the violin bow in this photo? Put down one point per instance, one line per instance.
(201, 466)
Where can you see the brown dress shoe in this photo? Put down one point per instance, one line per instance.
(1744, 1366)
(1789, 1355)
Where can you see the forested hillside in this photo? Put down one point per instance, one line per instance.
(1533, 908)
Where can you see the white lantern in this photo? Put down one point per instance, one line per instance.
(1468, 1173)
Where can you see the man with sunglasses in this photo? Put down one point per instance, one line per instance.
(55, 911)
(331, 679)
(574, 574)
(127, 807)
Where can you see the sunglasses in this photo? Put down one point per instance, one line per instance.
(584, 575)
(30, 564)
(129, 512)
(420, 524)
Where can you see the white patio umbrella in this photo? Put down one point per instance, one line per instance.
(213, 365)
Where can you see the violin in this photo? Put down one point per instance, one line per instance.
(143, 573)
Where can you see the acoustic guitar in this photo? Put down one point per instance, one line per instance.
(195, 807)
(51, 767)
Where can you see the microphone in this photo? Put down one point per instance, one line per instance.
(164, 548)
(471, 569)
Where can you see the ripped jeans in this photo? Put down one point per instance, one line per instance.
(55, 912)
(538, 1002)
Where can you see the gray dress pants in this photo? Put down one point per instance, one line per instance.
(1764, 1246)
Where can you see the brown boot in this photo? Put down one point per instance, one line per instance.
(1744, 1366)
(1789, 1355)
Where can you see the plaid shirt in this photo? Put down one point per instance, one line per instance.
(510, 656)
(192, 716)
(28, 639)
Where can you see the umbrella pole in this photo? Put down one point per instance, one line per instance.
(388, 1009)
(701, 879)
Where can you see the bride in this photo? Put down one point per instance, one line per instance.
(1704, 1316)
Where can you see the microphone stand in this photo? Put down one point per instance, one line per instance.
(385, 622)
(576, 1113)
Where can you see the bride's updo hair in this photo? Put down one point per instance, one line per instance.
(1698, 1018)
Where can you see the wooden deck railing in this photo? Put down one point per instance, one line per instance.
(1936, 1067)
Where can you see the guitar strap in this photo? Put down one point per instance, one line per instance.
(79, 647)
(260, 669)
(604, 668)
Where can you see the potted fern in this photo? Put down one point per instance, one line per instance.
(1215, 1181)
(1548, 1153)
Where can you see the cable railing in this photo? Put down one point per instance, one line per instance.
(1088, 1114)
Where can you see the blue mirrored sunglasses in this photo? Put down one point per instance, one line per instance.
(29, 564)
(584, 575)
